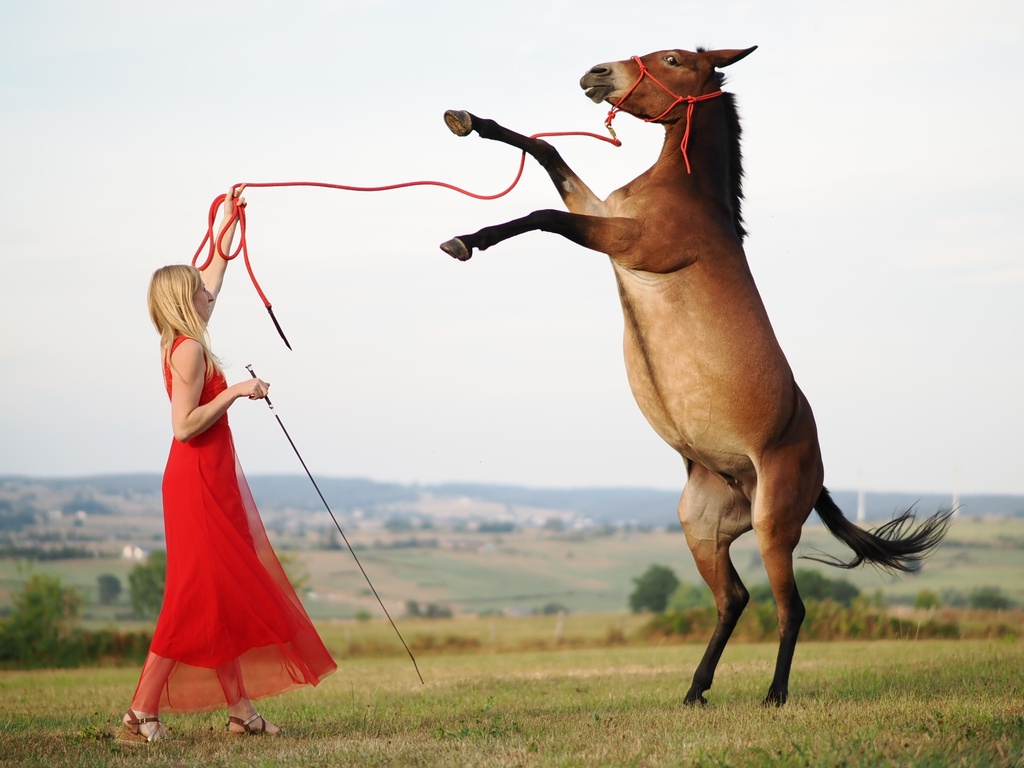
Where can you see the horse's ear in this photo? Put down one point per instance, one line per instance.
(725, 58)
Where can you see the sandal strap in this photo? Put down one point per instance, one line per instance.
(134, 719)
(246, 724)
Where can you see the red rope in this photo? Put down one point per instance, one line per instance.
(238, 213)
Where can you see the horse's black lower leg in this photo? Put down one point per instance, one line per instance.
(462, 247)
(598, 233)
(731, 597)
(569, 185)
(790, 620)
(463, 123)
(778, 561)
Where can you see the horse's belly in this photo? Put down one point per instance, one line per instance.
(703, 363)
(724, 451)
(718, 422)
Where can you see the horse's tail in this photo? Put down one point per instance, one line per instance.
(895, 546)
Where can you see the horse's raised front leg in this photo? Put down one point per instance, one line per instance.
(576, 195)
(607, 235)
(713, 514)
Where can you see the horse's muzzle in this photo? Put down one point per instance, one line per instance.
(598, 84)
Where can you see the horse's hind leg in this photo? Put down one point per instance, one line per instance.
(780, 509)
(777, 552)
(576, 195)
(713, 515)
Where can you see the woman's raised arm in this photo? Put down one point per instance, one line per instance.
(213, 275)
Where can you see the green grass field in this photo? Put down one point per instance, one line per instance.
(903, 703)
(526, 570)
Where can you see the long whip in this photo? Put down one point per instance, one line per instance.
(338, 526)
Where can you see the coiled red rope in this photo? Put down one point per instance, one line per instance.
(213, 247)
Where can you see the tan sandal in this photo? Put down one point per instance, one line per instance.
(249, 729)
(132, 729)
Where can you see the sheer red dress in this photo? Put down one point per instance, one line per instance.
(231, 624)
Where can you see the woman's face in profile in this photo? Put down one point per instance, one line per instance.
(203, 301)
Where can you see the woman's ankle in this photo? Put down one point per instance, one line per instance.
(243, 709)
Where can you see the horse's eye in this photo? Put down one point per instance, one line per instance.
(672, 61)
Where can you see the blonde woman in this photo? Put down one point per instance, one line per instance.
(231, 628)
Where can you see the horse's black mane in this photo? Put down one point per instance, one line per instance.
(732, 117)
(735, 130)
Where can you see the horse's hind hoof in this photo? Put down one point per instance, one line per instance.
(456, 249)
(459, 122)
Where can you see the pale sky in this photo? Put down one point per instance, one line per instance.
(883, 167)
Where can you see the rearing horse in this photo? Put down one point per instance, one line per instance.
(701, 356)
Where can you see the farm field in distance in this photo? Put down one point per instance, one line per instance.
(524, 570)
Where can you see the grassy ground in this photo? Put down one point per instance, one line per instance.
(906, 703)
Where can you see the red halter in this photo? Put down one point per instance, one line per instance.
(690, 101)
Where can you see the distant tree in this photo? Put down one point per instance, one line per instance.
(653, 589)
(551, 609)
(109, 588)
(435, 611)
(689, 595)
(43, 616)
(988, 599)
(295, 570)
(927, 600)
(429, 611)
(497, 527)
(761, 593)
(146, 584)
(812, 585)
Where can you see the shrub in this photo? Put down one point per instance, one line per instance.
(109, 587)
(813, 586)
(689, 595)
(146, 582)
(989, 599)
(43, 617)
(825, 620)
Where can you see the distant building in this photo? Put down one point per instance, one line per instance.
(131, 552)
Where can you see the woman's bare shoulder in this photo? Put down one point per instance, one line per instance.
(188, 359)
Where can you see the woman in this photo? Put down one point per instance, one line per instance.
(231, 628)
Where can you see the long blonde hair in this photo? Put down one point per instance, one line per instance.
(173, 311)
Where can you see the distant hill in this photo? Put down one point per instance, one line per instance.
(641, 506)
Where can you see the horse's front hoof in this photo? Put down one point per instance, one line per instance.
(459, 122)
(456, 249)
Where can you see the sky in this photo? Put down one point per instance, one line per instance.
(883, 198)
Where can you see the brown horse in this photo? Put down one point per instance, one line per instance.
(701, 356)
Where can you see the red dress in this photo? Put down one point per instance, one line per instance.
(231, 624)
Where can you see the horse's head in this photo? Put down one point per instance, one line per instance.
(653, 87)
